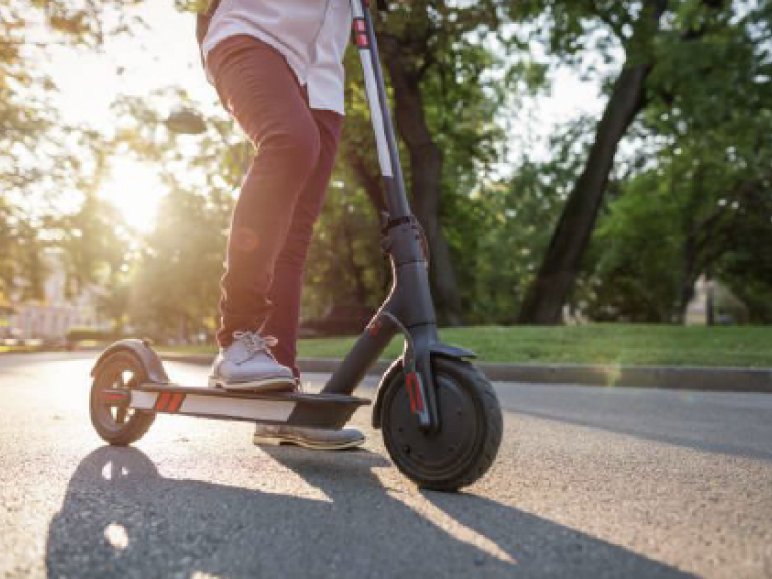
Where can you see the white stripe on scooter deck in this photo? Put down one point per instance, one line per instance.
(316, 398)
(244, 405)
(226, 406)
(238, 408)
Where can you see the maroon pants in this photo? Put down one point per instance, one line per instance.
(281, 196)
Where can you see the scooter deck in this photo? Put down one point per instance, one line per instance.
(292, 408)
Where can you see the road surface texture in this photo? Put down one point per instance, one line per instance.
(590, 482)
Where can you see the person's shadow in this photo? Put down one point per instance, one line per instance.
(121, 518)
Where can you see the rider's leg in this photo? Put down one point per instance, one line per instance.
(286, 290)
(288, 274)
(263, 95)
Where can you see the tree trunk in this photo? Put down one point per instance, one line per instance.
(425, 182)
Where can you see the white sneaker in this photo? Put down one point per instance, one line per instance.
(314, 438)
(247, 364)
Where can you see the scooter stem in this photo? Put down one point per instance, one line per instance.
(395, 195)
(409, 308)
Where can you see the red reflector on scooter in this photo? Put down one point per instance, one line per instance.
(413, 383)
(360, 33)
(163, 400)
(374, 328)
(176, 402)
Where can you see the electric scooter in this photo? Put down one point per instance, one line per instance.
(439, 416)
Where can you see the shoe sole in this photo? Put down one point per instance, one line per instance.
(267, 385)
(292, 441)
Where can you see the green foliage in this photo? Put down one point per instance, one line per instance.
(175, 288)
(637, 248)
(20, 255)
(513, 231)
(345, 265)
(95, 242)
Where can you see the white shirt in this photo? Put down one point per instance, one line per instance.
(311, 34)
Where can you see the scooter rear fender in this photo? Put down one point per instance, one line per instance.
(143, 352)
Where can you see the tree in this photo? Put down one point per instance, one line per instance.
(42, 158)
(704, 190)
(175, 283)
(638, 28)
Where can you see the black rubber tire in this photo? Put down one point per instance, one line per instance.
(470, 433)
(139, 423)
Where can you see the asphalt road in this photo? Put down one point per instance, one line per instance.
(590, 482)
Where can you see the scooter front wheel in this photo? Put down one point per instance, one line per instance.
(464, 447)
(115, 422)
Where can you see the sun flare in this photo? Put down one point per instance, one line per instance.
(135, 190)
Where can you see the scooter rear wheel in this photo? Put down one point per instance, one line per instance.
(467, 442)
(118, 424)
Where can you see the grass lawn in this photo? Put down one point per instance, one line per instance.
(593, 344)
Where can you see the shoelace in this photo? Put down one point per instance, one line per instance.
(255, 343)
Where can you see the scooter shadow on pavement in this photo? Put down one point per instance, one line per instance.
(120, 517)
(514, 543)
(544, 548)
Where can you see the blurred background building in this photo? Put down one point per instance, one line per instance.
(52, 316)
